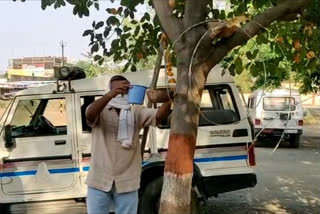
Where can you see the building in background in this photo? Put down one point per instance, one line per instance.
(28, 72)
(34, 68)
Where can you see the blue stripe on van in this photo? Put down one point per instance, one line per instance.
(225, 158)
(64, 170)
(86, 168)
(17, 174)
(33, 172)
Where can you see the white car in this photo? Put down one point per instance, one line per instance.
(276, 113)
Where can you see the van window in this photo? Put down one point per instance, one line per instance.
(24, 112)
(39, 117)
(206, 99)
(55, 112)
(217, 107)
(85, 102)
(278, 103)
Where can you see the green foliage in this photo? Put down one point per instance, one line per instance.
(92, 69)
(313, 14)
(128, 35)
(244, 81)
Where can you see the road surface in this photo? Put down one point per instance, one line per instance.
(288, 182)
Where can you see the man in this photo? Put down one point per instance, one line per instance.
(115, 167)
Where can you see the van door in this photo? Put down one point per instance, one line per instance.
(42, 158)
(279, 112)
(84, 138)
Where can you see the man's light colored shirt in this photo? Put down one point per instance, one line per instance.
(110, 162)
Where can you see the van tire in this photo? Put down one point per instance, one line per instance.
(295, 141)
(149, 201)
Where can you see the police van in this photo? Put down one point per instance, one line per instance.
(276, 113)
(45, 144)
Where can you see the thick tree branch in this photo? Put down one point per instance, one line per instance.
(195, 12)
(221, 48)
(169, 23)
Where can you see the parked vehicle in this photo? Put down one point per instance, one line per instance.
(276, 113)
(45, 147)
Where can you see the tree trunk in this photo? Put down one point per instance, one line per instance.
(176, 191)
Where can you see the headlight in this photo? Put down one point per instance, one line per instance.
(64, 72)
(71, 73)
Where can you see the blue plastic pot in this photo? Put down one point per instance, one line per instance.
(136, 94)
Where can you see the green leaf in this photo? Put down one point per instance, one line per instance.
(75, 10)
(112, 20)
(118, 31)
(126, 28)
(106, 32)
(87, 32)
(101, 61)
(254, 71)
(120, 9)
(133, 68)
(97, 57)
(99, 25)
(99, 37)
(238, 65)
(114, 43)
(145, 17)
(86, 11)
(232, 69)
(126, 66)
(136, 31)
(249, 55)
(261, 39)
(95, 48)
(123, 43)
(96, 5)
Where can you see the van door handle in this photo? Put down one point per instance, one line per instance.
(268, 118)
(60, 142)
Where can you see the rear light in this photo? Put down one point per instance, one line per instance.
(300, 122)
(257, 122)
(251, 155)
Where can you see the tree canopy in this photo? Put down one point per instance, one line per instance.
(290, 44)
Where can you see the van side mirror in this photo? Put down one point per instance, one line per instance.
(9, 143)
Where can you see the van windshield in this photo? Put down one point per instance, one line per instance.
(279, 103)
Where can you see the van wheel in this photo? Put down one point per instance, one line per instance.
(295, 141)
(149, 201)
(5, 209)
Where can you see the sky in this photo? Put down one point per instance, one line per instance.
(27, 30)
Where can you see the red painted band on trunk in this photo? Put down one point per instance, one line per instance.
(180, 154)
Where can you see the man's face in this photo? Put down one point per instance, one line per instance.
(120, 84)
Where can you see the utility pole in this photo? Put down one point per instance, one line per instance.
(63, 45)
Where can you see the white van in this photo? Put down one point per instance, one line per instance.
(276, 113)
(45, 143)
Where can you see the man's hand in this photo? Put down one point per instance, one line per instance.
(119, 87)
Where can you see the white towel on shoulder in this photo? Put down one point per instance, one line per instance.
(126, 120)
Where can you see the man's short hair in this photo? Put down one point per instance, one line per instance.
(117, 77)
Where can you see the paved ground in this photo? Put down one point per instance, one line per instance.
(288, 182)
